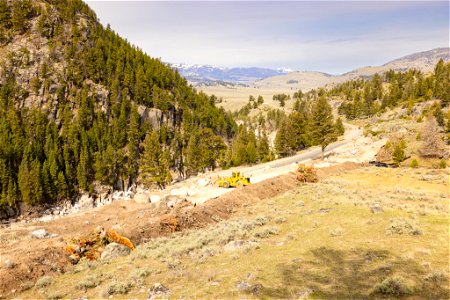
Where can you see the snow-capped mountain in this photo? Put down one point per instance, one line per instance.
(206, 74)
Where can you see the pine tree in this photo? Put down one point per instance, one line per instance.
(260, 100)
(154, 165)
(442, 75)
(25, 182)
(282, 141)
(340, 130)
(322, 125)
(263, 148)
(134, 137)
(22, 11)
(399, 152)
(36, 184)
(83, 170)
(5, 14)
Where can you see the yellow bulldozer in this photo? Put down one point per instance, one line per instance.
(236, 180)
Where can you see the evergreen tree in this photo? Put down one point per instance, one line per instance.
(442, 76)
(260, 100)
(322, 125)
(282, 141)
(25, 182)
(83, 170)
(263, 148)
(154, 164)
(340, 130)
(22, 11)
(399, 152)
(5, 14)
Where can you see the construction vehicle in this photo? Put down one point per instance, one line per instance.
(236, 180)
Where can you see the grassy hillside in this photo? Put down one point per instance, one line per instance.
(348, 236)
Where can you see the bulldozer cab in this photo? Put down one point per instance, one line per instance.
(236, 174)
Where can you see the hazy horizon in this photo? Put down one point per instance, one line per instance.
(333, 37)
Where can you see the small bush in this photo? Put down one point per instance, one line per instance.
(337, 232)
(44, 282)
(436, 277)
(399, 152)
(118, 288)
(442, 164)
(403, 226)
(266, 232)
(56, 295)
(26, 285)
(414, 163)
(393, 286)
(88, 283)
(307, 174)
(280, 220)
(261, 221)
(140, 273)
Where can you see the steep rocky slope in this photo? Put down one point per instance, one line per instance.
(77, 100)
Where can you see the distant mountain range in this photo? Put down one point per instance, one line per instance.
(210, 75)
(307, 80)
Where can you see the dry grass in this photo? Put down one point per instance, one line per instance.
(320, 241)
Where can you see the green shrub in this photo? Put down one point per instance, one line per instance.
(118, 288)
(44, 282)
(88, 283)
(418, 136)
(393, 286)
(436, 277)
(399, 153)
(401, 226)
(442, 164)
(414, 163)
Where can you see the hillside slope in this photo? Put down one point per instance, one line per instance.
(77, 100)
(345, 237)
(307, 80)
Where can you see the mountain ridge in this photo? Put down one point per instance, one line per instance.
(209, 74)
(424, 61)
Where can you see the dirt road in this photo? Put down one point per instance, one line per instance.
(257, 173)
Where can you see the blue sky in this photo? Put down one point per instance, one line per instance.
(328, 36)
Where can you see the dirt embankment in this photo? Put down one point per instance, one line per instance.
(33, 258)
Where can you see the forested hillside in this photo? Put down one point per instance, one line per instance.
(364, 98)
(77, 103)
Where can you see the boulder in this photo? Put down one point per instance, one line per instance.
(376, 209)
(142, 198)
(117, 195)
(42, 234)
(86, 202)
(9, 264)
(114, 250)
(155, 198)
(158, 290)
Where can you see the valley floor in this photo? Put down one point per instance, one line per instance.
(358, 233)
